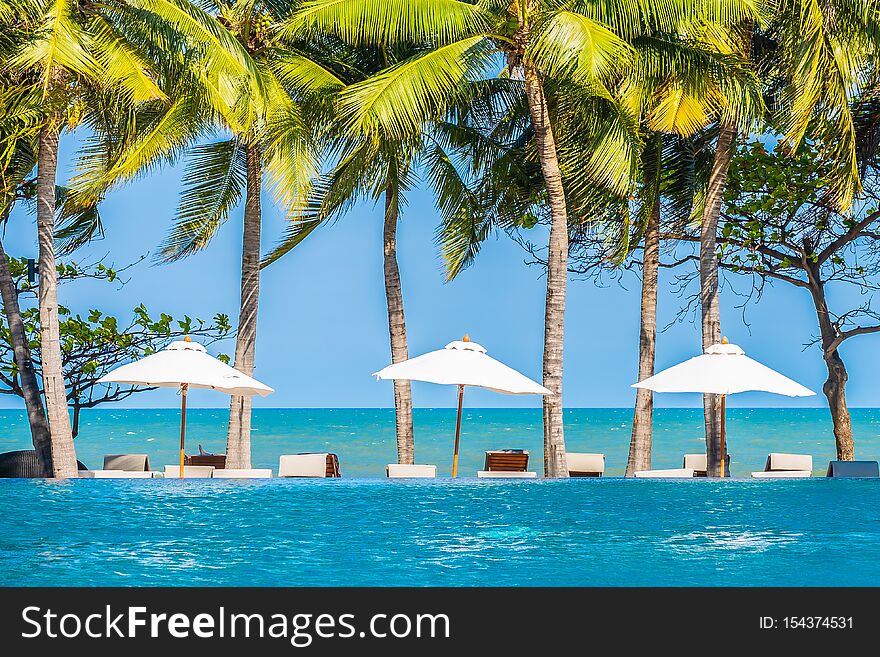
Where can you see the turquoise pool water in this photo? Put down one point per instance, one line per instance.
(469, 532)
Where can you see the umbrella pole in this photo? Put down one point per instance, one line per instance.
(457, 431)
(183, 388)
(723, 431)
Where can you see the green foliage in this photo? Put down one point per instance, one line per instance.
(95, 342)
(780, 219)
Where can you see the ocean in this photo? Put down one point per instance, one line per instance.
(365, 442)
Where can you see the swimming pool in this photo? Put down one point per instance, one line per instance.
(439, 533)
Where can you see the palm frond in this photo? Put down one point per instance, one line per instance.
(362, 22)
(213, 183)
(398, 102)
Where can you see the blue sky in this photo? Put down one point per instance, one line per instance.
(323, 326)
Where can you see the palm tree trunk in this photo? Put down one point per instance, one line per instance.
(63, 453)
(709, 301)
(238, 440)
(27, 377)
(835, 385)
(397, 324)
(555, 464)
(640, 444)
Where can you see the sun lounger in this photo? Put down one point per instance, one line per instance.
(786, 466)
(697, 463)
(407, 471)
(853, 469)
(674, 473)
(189, 471)
(309, 465)
(513, 463)
(128, 462)
(115, 474)
(216, 461)
(240, 473)
(585, 465)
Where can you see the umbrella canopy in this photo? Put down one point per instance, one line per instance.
(463, 363)
(723, 370)
(186, 362)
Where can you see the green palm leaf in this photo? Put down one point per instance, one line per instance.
(213, 184)
(389, 21)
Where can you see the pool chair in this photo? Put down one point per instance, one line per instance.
(786, 466)
(585, 465)
(319, 466)
(189, 471)
(673, 473)
(697, 463)
(854, 469)
(115, 474)
(216, 461)
(407, 471)
(121, 466)
(128, 462)
(241, 473)
(508, 464)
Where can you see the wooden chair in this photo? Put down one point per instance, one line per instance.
(507, 460)
(216, 461)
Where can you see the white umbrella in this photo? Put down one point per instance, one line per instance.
(723, 370)
(463, 363)
(186, 364)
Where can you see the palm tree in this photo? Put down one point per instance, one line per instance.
(271, 140)
(67, 59)
(379, 168)
(681, 81)
(18, 164)
(812, 55)
(374, 171)
(19, 161)
(464, 42)
(585, 44)
(259, 136)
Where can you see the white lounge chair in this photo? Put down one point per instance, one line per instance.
(585, 465)
(407, 471)
(674, 473)
(308, 465)
(501, 474)
(128, 462)
(114, 474)
(189, 471)
(241, 473)
(786, 466)
(698, 463)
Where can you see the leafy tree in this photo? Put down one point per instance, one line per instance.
(94, 343)
(780, 223)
